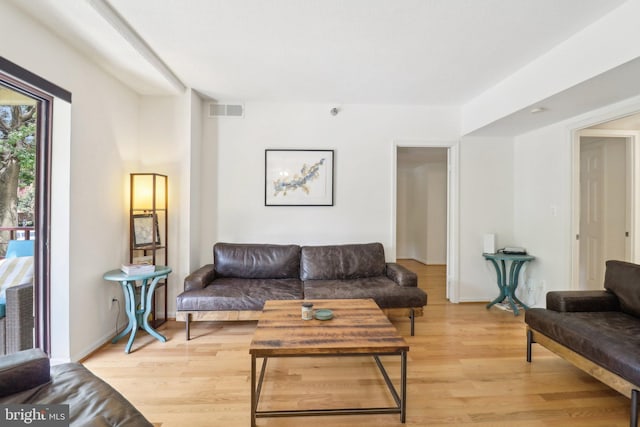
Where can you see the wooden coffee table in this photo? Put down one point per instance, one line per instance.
(358, 328)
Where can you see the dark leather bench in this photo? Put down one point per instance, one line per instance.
(597, 331)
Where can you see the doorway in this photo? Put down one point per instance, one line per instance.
(422, 199)
(19, 119)
(28, 109)
(604, 206)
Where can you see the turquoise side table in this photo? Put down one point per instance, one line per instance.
(138, 316)
(508, 283)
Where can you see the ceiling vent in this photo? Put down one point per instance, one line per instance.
(226, 110)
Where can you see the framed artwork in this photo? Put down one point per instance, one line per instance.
(143, 225)
(298, 178)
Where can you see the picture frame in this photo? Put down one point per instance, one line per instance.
(298, 177)
(143, 226)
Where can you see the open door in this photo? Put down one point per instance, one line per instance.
(605, 182)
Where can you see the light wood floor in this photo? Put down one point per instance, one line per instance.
(466, 367)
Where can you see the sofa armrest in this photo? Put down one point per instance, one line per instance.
(23, 370)
(200, 278)
(567, 301)
(401, 275)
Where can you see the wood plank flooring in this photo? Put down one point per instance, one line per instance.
(466, 367)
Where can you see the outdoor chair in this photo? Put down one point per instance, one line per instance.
(16, 297)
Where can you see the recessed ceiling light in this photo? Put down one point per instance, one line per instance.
(537, 110)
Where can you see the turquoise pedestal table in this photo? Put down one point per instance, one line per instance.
(508, 283)
(138, 312)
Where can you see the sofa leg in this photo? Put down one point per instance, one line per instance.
(529, 342)
(412, 316)
(188, 331)
(634, 408)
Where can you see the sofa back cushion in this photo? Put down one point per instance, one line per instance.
(256, 261)
(623, 279)
(342, 262)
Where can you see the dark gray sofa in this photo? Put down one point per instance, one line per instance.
(27, 378)
(597, 331)
(244, 276)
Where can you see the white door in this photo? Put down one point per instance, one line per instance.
(603, 207)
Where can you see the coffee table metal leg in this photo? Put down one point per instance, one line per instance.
(263, 369)
(403, 386)
(390, 386)
(399, 398)
(253, 391)
(256, 387)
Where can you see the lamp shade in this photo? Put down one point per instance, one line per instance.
(148, 191)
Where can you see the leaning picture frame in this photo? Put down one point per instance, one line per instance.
(298, 177)
(143, 226)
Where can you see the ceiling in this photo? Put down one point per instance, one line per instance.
(404, 52)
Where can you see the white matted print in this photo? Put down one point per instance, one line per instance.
(298, 178)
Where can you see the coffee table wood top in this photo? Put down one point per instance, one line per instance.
(358, 326)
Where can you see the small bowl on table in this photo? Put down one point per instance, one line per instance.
(323, 314)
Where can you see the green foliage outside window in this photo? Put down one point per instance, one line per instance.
(17, 164)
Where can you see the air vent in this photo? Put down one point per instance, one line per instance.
(226, 110)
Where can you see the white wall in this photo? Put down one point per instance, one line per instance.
(208, 194)
(170, 129)
(543, 205)
(60, 268)
(100, 141)
(194, 187)
(486, 206)
(362, 137)
(412, 211)
(406, 234)
(436, 178)
(90, 154)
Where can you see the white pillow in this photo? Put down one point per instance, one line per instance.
(14, 272)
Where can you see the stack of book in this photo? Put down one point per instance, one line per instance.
(132, 269)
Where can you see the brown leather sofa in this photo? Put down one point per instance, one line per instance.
(244, 276)
(597, 331)
(27, 379)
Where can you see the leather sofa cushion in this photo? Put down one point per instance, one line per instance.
(92, 402)
(342, 262)
(623, 279)
(385, 292)
(239, 294)
(608, 338)
(252, 261)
